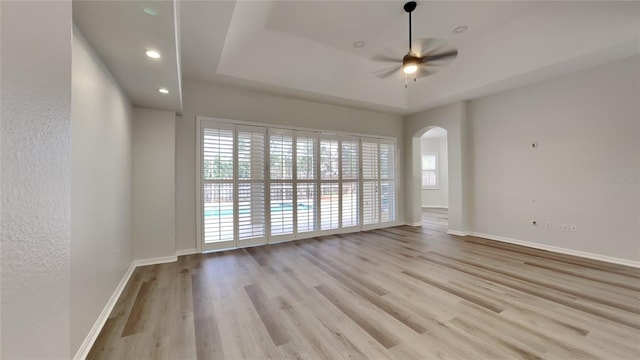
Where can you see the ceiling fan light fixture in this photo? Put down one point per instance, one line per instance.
(410, 68)
(410, 63)
(423, 59)
(153, 54)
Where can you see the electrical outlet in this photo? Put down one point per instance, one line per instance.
(564, 227)
(547, 225)
(574, 227)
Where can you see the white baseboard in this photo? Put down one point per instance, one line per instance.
(435, 207)
(154, 261)
(91, 337)
(560, 250)
(184, 252)
(414, 224)
(457, 233)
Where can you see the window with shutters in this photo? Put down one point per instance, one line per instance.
(350, 195)
(370, 183)
(218, 184)
(329, 183)
(281, 181)
(306, 182)
(378, 181)
(251, 182)
(260, 184)
(387, 181)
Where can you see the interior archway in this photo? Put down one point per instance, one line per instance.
(452, 119)
(434, 178)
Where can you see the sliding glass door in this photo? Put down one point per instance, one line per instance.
(378, 182)
(218, 172)
(370, 182)
(281, 198)
(307, 187)
(350, 183)
(329, 182)
(265, 185)
(387, 181)
(233, 186)
(251, 214)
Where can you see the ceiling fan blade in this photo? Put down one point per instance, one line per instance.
(385, 73)
(427, 46)
(386, 58)
(448, 55)
(422, 72)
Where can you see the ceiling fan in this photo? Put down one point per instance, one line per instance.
(419, 64)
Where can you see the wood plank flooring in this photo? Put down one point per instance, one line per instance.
(396, 293)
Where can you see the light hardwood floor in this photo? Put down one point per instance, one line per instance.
(401, 293)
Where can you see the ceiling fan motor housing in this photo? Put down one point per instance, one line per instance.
(410, 59)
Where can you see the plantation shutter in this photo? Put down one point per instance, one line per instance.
(281, 181)
(329, 182)
(387, 181)
(350, 195)
(251, 182)
(217, 183)
(370, 179)
(265, 185)
(306, 181)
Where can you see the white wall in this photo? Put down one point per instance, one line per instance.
(36, 166)
(101, 188)
(154, 183)
(586, 170)
(236, 104)
(437, 197)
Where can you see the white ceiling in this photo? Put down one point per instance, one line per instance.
(121, 32)
(305, 48)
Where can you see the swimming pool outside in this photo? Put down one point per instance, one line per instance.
(278, 207)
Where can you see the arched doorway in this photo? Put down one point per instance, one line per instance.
(452, 118)
(434, 178)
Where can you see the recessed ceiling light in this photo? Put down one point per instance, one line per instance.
(358, 44)
(163, 90)
(150, 11)
(460, 29)
(153, 54)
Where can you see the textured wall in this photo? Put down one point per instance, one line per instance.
(101, 188)
(35, 182)
(154, 189)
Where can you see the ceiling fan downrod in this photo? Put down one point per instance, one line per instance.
(409, 7)
(409, 62)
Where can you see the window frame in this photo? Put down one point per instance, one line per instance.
(202, 120)
(435, 170)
